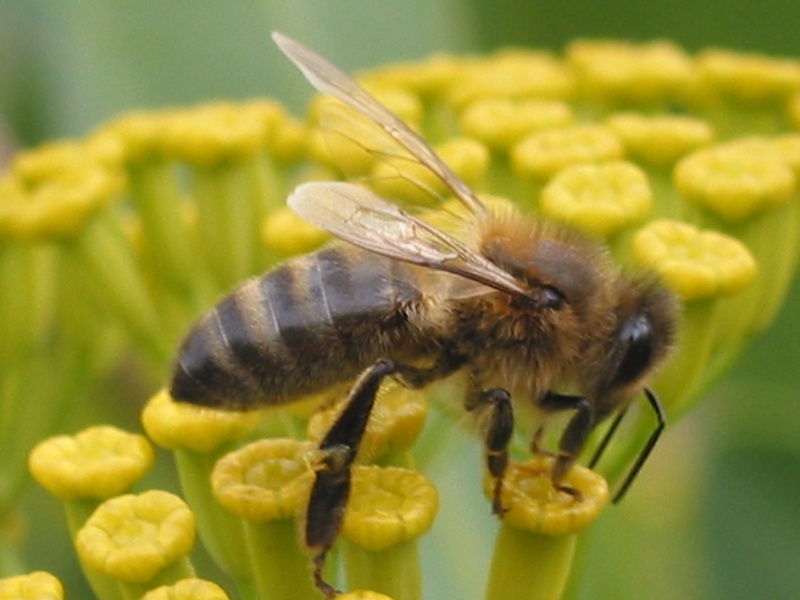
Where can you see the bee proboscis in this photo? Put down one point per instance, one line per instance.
(522, 308)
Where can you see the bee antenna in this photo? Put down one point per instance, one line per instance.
(661, 417)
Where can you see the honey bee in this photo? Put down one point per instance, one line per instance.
(524, 309)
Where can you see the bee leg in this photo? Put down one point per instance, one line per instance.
(497, 437)
(331, 488)
(536, 445)
(574, 437)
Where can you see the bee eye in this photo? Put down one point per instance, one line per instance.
(636, 336)
(550, 297)
(542, 297)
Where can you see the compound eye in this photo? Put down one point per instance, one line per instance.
(636, 336)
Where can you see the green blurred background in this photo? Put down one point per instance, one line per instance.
(716, 514)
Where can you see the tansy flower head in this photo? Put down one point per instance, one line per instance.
(33, 586)
(135, 538)
(542, 155)
(264, 480)
(99, 462)
(598, 200)
(187, 589)
(734, 183)
(696, 264)
(181, 425)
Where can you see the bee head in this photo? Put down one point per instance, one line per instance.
(643, 336)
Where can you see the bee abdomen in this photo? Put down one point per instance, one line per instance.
(309, 324)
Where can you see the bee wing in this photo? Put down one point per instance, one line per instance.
(361, 217)
(329, 79)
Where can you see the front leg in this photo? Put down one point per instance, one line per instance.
(574, 437)
(497, 436)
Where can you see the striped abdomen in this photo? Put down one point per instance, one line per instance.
(313, 322)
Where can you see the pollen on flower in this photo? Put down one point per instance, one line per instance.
(173, 424)
(38, 585)
(692, 262)
(265, 480)
(660, 140)
(187, 589)
(599, 200)
(502, 122)
(533, 504)
(134, 537)
(99, 462)
(388, 506)
(734, 182)
(395, 422)
(542, 155)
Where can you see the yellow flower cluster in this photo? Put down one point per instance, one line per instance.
(110, 246)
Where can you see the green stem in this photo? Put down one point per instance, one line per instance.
(221, 532)
(281, 569)
(78, 511)
(530, 566)
(113, 279)
(394, 571)
(226, 222)
(159, 202)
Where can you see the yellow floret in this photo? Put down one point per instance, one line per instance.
(187, 589)
(599, 200)
(362, 595)
(265, 480)
(58, 199)
(214, 133)
(134, 537)
(695, 264)
(173, 424)
(511, 74)
(662, 140)
(533, 504)
(388, 506)
(139, 133)
(99, 462)
(38, 585)
(542, 155)
(621, 72)
(751, 78)
(287, 233)
(427, 77)
(502, 122)
(735, 182)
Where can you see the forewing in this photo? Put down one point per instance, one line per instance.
(359, 216)
(328, 79)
